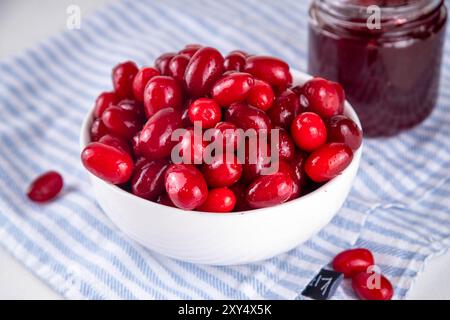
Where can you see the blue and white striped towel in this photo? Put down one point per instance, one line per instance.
(399, 206)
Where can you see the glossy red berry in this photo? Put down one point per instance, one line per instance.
(235, 61)
(328, 161)
(368, 287)
(345, 130)
(257, 159)
(135, 145)
(107, 163)
(148, 180)
(286, 168)
(98, 129)
(192, 147)
(284, 109)
(186, 186)
(229, 135)
(155, 140)
(239, 189)
(248, 117)
(261, 95)
(284, 145)
(308, 131)
(133, 106)
(353, 261)
(205, 112)
(185, 117)
(220, 200)
(232, 88)
(122, 76)
(298, 164)
(271, 190)
(269, 69)
(223, 171)
(140, 81)
(45, 187)
(162, 92)
(323, 97)
(116, 142)
(190, 50)
(162, 62)
(177, 66)
(203, 70)
(103, 102)
(121, 122)
(165, 200)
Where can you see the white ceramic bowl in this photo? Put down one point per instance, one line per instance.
(224, 239)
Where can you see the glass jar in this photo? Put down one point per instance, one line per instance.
(387, 57)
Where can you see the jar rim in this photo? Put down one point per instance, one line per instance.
(348, 14)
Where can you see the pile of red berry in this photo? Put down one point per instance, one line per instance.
(367, 284)
(133, 127)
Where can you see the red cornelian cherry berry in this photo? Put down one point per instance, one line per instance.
(133, 106)
(121, 122)
(287, 169)
(298, 164)
(256, 159)
(165, 200)
(223, 171)
(206, 112)
(284, 109)
(239, 189)
(185, 186)
(140, 81)
(177, 66)
(270, 190)
(103, 102)
(235, 61)
(45, 187)
(326, 98)
(135, 145)
(203, 70)
(229, 135)
(308, 131)
(345, 130)
(116, 142)
(269, 69)
(353, 261)
(190, 50)
(192, 147)
(328, 161)
(122, 76)
(284, 145)
(148, 180)
(155, 140)
(162, 92)
(162, 62)
(107, 163)
(365, 286)
(98, 129)
(261, 95)
(140, 162)
(232, 88)
(248, 117)
(185, 117)
(219, 200)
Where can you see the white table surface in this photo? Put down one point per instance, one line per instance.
(23, 23)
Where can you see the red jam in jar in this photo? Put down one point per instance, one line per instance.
(386, 54)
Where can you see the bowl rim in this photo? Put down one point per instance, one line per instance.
(299, 77)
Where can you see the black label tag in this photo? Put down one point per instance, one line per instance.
(324, 285)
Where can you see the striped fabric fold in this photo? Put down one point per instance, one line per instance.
(399, 206)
